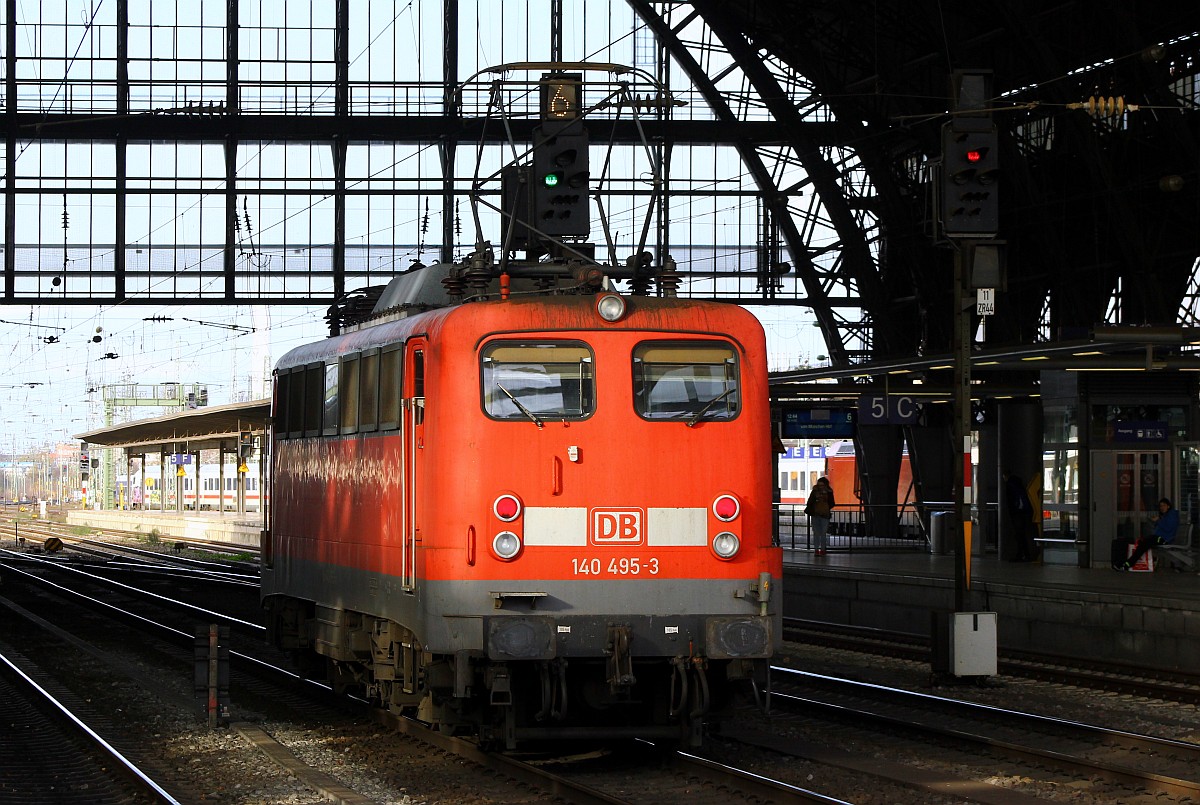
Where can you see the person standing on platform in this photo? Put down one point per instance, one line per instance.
(819, 510)
(1020, 514)
(1166, 526)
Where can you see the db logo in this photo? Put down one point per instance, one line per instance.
(617, 526)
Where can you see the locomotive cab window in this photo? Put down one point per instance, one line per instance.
(685, 381)
(535, 381)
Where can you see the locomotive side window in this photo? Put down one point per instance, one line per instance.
(348, 395)
(329, 422)
(314, 387)
(390, 362)
(368, 391)
(290, 422)
(284, 404)
(535, 380)
(685, 381)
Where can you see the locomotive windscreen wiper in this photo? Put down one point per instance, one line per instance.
(532, 416)
(696, 416)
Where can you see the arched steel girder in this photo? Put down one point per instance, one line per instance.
(855, 258)
(1142, 254)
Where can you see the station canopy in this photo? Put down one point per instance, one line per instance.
(208, 428)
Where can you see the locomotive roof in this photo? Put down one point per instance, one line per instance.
(554, 312)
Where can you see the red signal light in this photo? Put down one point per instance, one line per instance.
(975, 155)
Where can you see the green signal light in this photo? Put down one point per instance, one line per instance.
(550, 180)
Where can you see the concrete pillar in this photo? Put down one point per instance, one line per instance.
(1019, 449)
(880, 449)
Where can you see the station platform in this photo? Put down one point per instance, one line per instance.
(1145, 619)
(237, 528)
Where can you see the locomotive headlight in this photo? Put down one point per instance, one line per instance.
(726, 544)
(506, 545)
(610, 306)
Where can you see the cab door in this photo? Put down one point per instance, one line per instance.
(412, 432)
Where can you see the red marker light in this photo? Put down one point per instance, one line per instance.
(507, 508)
(726, 507)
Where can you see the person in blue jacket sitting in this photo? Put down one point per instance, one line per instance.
(1166, 525)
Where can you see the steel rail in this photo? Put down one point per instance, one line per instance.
(125, 767)
(1112, 772)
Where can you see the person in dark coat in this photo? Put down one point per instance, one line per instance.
(819, 509)
(1020, 514)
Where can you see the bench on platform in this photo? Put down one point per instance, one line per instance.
(1178, 554)
(1058, 550)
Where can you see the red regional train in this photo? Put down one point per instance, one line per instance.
(536, 517)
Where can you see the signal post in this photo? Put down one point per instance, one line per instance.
(964, 642)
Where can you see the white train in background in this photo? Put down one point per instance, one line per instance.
(215, 492)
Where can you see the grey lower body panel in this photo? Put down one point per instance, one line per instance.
(545, 637)
(719, 618)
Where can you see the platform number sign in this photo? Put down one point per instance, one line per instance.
(887, 409)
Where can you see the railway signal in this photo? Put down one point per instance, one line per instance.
(970, 195)
(559, 186)
(970, 198)
(561, 205)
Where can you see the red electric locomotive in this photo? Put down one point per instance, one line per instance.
(529, 517)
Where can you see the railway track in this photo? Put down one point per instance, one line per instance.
(656, 778)
(117, 539)
(1120, 758)
(1077, 671)
(39, 727)
(663, 779)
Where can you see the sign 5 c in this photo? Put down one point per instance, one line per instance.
(887, 409)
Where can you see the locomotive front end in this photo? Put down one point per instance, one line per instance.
(617, 471)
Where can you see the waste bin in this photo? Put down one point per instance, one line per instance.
(942, 532)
